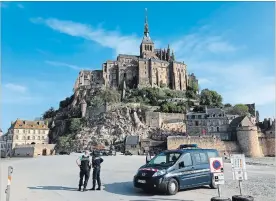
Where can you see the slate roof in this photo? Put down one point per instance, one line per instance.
(147, 40)
(235, 122)
(132, 140)
(127, 55)
(214, 110)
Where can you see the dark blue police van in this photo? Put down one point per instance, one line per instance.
(174, 170)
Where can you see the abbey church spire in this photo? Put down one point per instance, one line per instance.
(146, 26)
(147, 46)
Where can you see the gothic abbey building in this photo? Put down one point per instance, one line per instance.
(152, 68)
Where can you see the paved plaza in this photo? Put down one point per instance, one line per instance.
(56, 178)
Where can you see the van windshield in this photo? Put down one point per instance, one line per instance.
(164, 158)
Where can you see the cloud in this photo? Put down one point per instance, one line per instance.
(240, 81)
(110, 39)
(201, 45)
(16, 87)
(221, 47)
(41, 51)
(74, 67)
(20, 6)
(203, 81)
(245, 80)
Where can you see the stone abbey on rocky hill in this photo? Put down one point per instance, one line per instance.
(152, 68)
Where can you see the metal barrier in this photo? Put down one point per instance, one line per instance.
(8, 189)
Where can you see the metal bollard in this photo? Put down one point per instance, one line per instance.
(8, 189)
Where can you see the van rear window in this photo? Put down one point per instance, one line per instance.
(212, 154)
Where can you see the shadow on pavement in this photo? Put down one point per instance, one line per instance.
(124, 188)
(53, 188)
(170, 199)
(167, 199)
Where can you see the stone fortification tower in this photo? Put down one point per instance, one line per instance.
(247, 136)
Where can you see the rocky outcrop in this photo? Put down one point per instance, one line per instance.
(113, 126)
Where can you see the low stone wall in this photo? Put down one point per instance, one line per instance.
(229, 147)
(118, 105)
(34, 150)
(267, 145)
(156, 119)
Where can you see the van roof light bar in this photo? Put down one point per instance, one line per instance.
(188, 146)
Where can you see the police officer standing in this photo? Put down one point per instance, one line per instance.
(84, 163)
(96, 164)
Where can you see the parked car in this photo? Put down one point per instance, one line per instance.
(112, 153)
(127, 153)
(64, 153)
(105, 152)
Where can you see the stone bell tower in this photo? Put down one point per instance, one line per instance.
(147, 46)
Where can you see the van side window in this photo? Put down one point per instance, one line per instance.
(197, 158)
(200, 158)
(187, 159)
(203, 158)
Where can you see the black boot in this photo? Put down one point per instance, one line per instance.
(84, 189)
(92, 189)
(79, 188)
(99, 188)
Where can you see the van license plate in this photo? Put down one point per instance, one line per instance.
(142, 181)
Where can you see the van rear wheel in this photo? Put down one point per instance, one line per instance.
(172, 187)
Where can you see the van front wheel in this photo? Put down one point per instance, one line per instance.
(172, 187)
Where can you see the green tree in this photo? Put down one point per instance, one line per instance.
(110, 96)
(164, 107)
(63, 143)
(170, 107)
(49, 113)
(65, 103)
(227, 105)
(210, 98)
(75, 125)
(240, 109)
(96, 101)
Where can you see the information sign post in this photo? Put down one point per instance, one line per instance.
(216, 167)
(239, 169)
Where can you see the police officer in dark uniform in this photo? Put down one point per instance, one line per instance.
(96, 164)
(84, 162)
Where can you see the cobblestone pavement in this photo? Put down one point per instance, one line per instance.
(56, 178)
